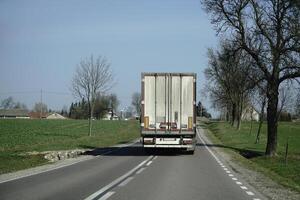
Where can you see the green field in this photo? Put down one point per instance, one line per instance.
(17, 137)
(243, 143)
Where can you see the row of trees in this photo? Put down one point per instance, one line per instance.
(260, 52)
(10, 103)
(103, 104)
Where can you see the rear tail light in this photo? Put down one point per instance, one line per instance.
(187, 141)
(149, 141)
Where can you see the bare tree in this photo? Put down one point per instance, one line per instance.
(136, 102)
(40, 107)
(229, 82)
(269, 31)
(8, 103)
(92, 77)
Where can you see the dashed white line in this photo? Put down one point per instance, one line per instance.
(154, 157)
(140, 170)
(116, 181)
(244, 187)
(227, 171)
(107, 195)
(250, 193)
(149, 163)
(126, 181)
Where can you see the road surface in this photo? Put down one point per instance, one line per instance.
(130, 173)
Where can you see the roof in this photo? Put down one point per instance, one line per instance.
(55, 115)
(14, 112)
(37, 115)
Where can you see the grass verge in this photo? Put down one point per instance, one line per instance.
(240, 144)
(19, 136)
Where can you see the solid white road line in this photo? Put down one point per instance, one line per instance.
(126, 181)
(106, 196)
(116, 181)
(140, 170)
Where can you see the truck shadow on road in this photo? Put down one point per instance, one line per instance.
(247, 153)
(134, 150)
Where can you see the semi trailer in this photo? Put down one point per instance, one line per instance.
(168, 110)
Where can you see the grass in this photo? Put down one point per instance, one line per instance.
(19, 136)
(242, 142)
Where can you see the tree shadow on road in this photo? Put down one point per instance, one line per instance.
(247, 153)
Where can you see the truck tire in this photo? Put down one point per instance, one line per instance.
(191, 152)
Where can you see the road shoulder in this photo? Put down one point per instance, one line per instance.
(53, 166)
(256, 179)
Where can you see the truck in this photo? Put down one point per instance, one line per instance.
(168, 110)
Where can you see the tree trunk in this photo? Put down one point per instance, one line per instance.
(240, 112)
(233, 114)
(260, 120)
(90, 117)
(272, 118)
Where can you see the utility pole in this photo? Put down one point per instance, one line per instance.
(41, 104)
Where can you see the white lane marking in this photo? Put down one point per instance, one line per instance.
(126, 181)
(235, 179)
(106, 196)
(216, 158)
(256, 199)
(207, 147)
(116, 181)
(238, 183)
(62, 166)
(244, 187)
(140, 170)
(228, 172)
(149, 163)
(154, 157)
(250, 193)
(225, 168)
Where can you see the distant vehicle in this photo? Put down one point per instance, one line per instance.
(168, 110)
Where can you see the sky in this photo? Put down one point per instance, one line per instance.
(42, 42)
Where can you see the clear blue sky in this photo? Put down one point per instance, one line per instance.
(41, 42)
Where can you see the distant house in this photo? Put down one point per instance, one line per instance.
(55, 116)
(107, 116)
(249, 114)
(37, 115)
(14, 113)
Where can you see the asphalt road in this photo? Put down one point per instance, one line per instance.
(130, 173)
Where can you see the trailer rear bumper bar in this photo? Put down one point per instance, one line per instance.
(146, 133)
(170, 146)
